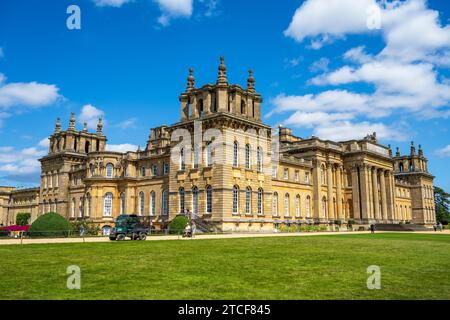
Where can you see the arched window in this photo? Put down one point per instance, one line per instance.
(297, 206)
(165, 200)
(308, 206)
(260, 201)
(209, 155)
(235, 199)
(235, 154)
(259, 160)
(195, 200)
(181, 195)
(122, 203)
(153, 203)
(209, 198)
(81, 209)
(109, 170)
(88, 205)
(324, 207)
(248, 200)
(143, 171)
(196, 156)
(74, 206)
(286, 205)
(275, 204)
(108, 205)
(141, 203)
(182, 159)
(247, 156)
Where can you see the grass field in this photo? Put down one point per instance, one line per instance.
(413, 266)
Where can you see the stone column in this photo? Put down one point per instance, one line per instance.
(384, 209)
(370, 215)
(339, 191)
(317, 189)
(355, 193)
(376, 200)
(390, 199)
(365, 200)
(330, 190)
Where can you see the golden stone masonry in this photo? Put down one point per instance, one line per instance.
(248, 186)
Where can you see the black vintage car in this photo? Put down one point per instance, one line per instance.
(131, 226)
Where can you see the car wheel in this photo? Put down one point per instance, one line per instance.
(142, 236)
(112, 238)
(120, 237)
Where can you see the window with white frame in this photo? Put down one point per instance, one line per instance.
(308, 206)
(155, 170)
(166, 168)
(275, 204)
(74, 207)
(209, 199)
(143, 171)
(141, 203)
(165, 201)
(181, 198)
(306, 177)
(195, 200)
(247, 156)
(286, 205)
(260, 201)
(286, 174)
(109, 170)
(324, 207)
(274, 172)
(297, 206)
(248, 200)
(153, 203)
(108, 205)
(122, 203)
(80, 214)
(235, 200)
(259, 159)
(235, 154)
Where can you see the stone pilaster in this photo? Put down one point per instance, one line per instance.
(365, 200)
(330, 190)
(339, 191)
(376, 200)
(355, 193)
(384, 208)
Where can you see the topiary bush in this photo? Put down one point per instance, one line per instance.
(178, 224)
(22, 218)
(50, 224)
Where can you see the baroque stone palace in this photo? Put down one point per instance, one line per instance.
(236, 174)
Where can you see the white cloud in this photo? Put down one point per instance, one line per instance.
(312, 119)
(325, 19)
(90, 115)
(21, 165)
(31, 94)
(211, 7)
(44, 143)
(127, 124)
(345, 130)
(171, 9)
(320, 65)
(110, 3)
(444, 152)
(358, 55)
(121, 147)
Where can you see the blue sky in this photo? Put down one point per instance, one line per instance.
(319, 67)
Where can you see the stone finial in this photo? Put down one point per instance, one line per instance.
(222, 78)
(413, 149)
(85, 128)
(420, 150)
(390, 150)
(250, 81)
(58, 125)
(397, 153)
(191, 81)
(72, 121)
(100, 126)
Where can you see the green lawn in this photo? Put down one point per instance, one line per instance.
(413, 266)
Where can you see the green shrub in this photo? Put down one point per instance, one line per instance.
(90, 228)
(50, 224)
(178, 224)
(338, 222)
(350, 222)
(22, 218)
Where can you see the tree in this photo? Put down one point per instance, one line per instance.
(442, 204)
(22, 218)
(50, 224)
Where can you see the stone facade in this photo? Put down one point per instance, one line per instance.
(222, 163)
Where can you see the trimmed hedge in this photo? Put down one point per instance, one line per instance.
(50, 224)
(23, 218)
(178, 224)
